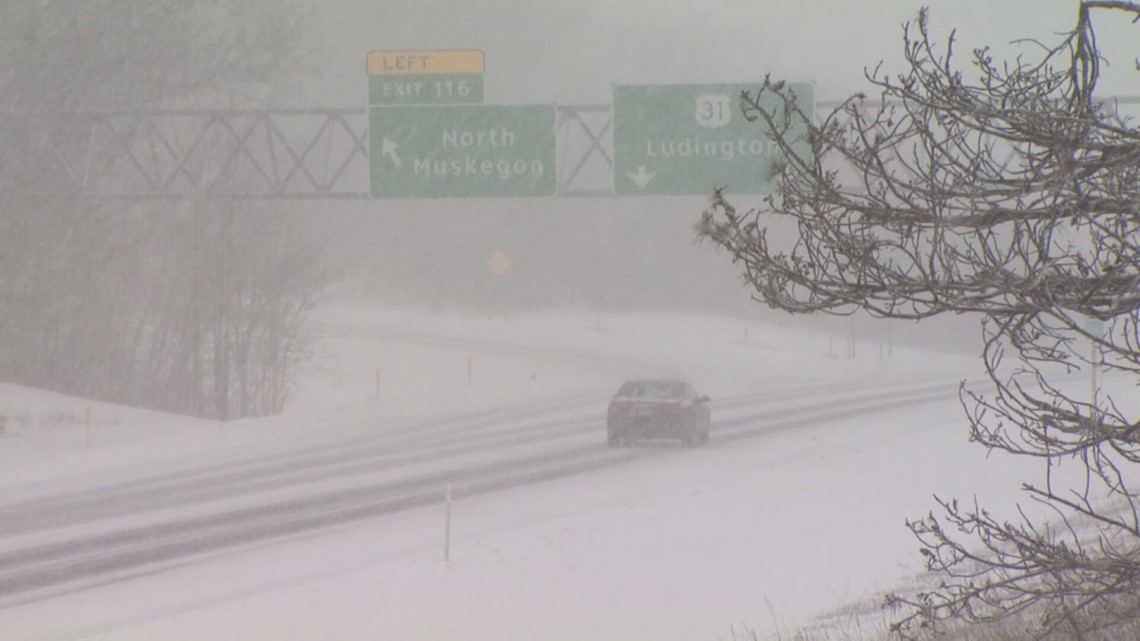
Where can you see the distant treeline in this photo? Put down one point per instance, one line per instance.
(193, 307)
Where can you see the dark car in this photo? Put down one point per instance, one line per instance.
(657, 409)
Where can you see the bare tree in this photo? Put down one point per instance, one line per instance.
(198, 310)
(1012, 192)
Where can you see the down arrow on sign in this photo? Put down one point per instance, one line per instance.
(642, 177)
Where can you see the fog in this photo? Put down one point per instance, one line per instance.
(595, 252)
(602, 252)
(572, 52)
(338, 337)
(638, 251)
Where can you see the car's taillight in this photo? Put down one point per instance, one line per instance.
(678, 408)
(618, 409)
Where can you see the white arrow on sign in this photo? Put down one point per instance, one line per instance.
(642, 177)
(388, 148)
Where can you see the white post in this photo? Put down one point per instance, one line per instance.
(851, 340)
(890, 339)
(1095, 328)
(1094, 350)
(1085, 246)
(447, 525)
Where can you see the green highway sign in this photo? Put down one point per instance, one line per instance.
(690, 139)
(425, 90)
(1094, 326)
(448, 151)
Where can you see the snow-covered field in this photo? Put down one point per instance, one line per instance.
(682, 544)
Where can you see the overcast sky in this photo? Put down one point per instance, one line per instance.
(571, 52)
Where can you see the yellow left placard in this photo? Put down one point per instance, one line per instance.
(409, 63)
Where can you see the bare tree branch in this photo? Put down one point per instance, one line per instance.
(1012, 192)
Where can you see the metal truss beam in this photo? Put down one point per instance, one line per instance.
(277, 154)
(187, 154)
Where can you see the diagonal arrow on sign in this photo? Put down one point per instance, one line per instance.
(642, 177)
(461, 151)
(388, 148)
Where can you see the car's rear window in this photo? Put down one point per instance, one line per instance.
(652, 389)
